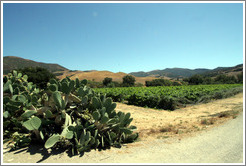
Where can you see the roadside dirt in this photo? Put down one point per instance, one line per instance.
(153, 123)
(153, 126)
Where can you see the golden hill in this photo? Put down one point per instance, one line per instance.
(99, 76)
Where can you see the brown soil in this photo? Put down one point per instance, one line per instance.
(153, 123)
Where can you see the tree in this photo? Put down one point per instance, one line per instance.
(39, 76)
(240, 78)
(224, 79)
(128, 80)
(107, 81)
(207, 80)
(196, 79)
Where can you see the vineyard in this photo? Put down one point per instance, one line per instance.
(171, 97)
(69, 114)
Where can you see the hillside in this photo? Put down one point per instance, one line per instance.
(11, 62)
(183, 72)
(99, 76)
(225, 70)
(170, 72)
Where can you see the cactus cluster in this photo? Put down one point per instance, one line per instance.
(66, 114)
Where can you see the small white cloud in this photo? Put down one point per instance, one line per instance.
(95, 14)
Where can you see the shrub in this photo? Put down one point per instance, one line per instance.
(128, 80)
(94, 84)
(208, 121)
(39, 76)
(196, 80)
(240, 78)
(139, 85)
(68, 114)
(107, 81)
(158, 82)
(167, 103)
(225, 79)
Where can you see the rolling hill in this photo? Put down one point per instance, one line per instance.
(12, 62)
(225, 70)
(183, 72)
(170, 72)
(99, 76)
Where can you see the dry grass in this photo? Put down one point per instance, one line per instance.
(210, 121)
(99, 76)
(153, 123)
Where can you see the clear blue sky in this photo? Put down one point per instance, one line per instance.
(125, 37)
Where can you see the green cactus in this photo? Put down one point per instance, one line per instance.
(21, 98)
(68, 111)
(82, 137)
(48, 114)
(104, 120)
(77, 83)
(65, 88)
(6, 114)
(52, 141)
(102, 141)
(96, 102)
(84, 82)
(68, 120)
(58, 100)
(27, 114)
(126, 130)
(131, 138)
(32, 124)
(16, 91)
(113, 135)
(84, 100)
(25, 77)
(74, 98)
(82, 91)
(96, 115)
(71, 85)
(53, 87)
(66, 133)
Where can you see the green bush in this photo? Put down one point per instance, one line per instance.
(128, 81)
(38, 75)
(68, 114)
(107, 81)
(240, 78)
(94, 84)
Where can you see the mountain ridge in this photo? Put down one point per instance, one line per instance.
(185, 72)
(13, 62)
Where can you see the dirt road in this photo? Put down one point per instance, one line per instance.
(205, 133)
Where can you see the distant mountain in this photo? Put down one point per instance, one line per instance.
(170, 72)
(225, 70)
(183, 72)
(11, 62)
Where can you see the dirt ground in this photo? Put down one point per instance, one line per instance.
(152, 125)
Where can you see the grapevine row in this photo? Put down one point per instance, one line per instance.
(171, 97)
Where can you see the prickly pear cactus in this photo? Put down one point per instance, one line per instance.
(66, 114)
